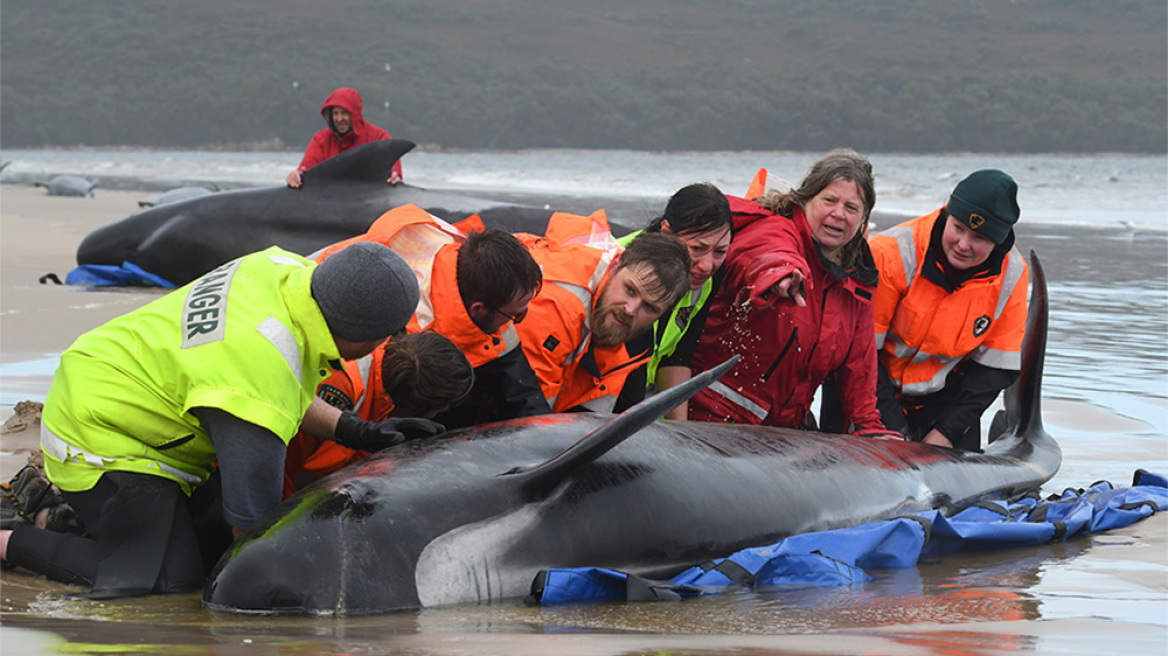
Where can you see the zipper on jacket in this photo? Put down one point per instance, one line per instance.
(175, 443)
(782, 354)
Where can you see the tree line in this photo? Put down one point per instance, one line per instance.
(152, 75)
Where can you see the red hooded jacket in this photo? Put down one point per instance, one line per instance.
(327, 143)
(787, 351)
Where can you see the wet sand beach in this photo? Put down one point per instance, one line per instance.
(39, 235)
(1096, 594)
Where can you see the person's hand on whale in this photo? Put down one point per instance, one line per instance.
(356, 433)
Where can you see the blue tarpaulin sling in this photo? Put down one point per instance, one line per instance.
(108, 275)
(839, 557)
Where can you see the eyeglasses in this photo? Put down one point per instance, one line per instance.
(517, 317)
(522, 314)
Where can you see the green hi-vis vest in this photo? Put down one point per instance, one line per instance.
(246, 338)
(667, 335)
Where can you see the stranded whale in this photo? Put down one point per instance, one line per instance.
(473, 515)
(69, 185)
(340, 198)
(176, 195)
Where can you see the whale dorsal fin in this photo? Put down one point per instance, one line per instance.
(1023, 399)
(1024, 409)
(540, 479)
(372, 162)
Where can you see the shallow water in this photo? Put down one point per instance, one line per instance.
(1083, 596)
(1105, 399)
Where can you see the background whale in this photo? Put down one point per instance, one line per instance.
(176, 195)
(473, 515)
(69, 185)
(340, 198)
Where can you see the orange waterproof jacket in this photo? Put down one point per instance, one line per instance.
(430, 246)
(924, 330)
(505, 386)
(575, 255)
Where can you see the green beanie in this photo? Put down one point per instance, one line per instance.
(986, 202)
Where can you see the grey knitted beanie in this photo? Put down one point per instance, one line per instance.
(365, 291)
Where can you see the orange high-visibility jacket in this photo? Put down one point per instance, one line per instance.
(575, 255)
(430, 246)
(923, 330)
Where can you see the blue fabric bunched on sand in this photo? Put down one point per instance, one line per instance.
(108, 275)
(839, 557)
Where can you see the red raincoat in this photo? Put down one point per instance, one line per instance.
(787, 351)
(327, 143)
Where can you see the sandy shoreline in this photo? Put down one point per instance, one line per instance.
(39, 234)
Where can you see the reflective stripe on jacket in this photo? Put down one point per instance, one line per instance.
(924, 331)
(246, 338)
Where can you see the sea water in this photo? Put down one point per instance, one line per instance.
(1104, 191)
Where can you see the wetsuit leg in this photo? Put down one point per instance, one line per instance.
(61, 557)
(145, 539)
(141, 540)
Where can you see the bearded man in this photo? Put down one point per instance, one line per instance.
(595, 301)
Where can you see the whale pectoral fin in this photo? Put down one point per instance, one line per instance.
(544, 477)
(372, 162)
(481, 561)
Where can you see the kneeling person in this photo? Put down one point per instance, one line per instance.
(220, 373)
(951, 312)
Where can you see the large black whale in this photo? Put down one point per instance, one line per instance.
(340, 198)
(473, 515)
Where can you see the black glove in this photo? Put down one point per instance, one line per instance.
(356, 433)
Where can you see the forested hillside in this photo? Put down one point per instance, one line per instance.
(894, 75)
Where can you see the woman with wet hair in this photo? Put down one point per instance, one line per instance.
(796, 303)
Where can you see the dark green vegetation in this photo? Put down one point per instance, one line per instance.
(893, 75)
